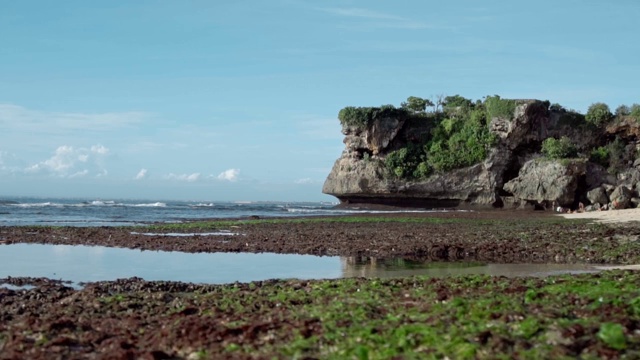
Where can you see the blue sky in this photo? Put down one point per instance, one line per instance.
(238, 100)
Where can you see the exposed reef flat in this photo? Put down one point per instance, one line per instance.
(588, 315)
(497, 236)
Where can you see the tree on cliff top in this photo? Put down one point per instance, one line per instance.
(416, 104)
(598, 114)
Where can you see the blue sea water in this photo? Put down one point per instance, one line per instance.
(113, 212)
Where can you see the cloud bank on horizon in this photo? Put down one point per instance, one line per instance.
(172, 99)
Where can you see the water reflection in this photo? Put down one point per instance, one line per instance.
(95, 263)
(372, 267)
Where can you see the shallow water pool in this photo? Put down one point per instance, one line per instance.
(96, 263)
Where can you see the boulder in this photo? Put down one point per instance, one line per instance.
(593, 207)
(628, 177)
(608, 188)
(621, 198)
(544, 181)
(598, 196)
(598, 175)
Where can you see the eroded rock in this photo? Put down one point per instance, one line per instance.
(598, 196)
(621, 198)
(543, 181)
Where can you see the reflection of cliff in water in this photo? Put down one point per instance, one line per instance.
(361, 266)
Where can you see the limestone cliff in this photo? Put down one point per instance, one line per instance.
(362, 176)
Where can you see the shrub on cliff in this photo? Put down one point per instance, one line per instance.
(619, 155)
(558, 148)
(360, 117)
(622, 110)
(457, 106)
(417, 104)
(634, 112)
(499, 108)
(598, 114)
(458, 143)
(600, 155)
(407, 162)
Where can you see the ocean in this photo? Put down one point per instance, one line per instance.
(113, 212)
(19, 211)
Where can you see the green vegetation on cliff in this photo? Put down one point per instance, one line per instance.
(455, 133)
(559, 148)
(497, 107)
(598, 114)
(361, 117)
(459, 137)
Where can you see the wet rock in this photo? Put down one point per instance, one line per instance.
(598, 195)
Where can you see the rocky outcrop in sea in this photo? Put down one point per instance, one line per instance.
(520, 167)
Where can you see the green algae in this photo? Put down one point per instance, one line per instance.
(224, 224)
(586, 316)
(462, 317)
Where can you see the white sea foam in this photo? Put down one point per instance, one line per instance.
(203, 205)
(102, 203)
(44, 204)
(218, 233)
(155, 204)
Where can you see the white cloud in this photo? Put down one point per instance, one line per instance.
(79, 174)
(229, 175)
(141, 174)
(99, 149)
(305, 181)
(70, 162)
(63, 159)
(184, 177)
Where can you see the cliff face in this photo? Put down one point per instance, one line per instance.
(361, 175)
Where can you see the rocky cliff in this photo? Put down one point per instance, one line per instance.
(513, 171)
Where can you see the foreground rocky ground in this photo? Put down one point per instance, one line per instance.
(588, 315)
(491, 236)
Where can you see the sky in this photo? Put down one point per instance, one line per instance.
(238, 100)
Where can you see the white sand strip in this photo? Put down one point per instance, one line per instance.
(610, 216)
(618, 267)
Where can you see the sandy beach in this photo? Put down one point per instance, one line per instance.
(611, 216)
